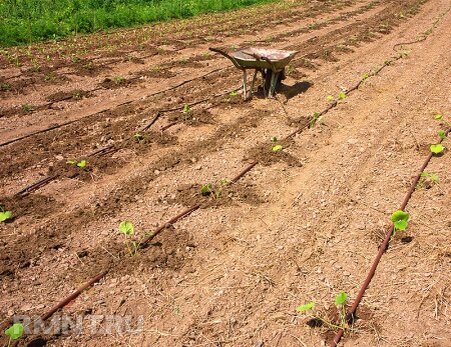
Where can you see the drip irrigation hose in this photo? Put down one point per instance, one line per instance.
(143, 243)
(350, 316)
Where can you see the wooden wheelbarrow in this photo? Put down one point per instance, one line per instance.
(270, 62)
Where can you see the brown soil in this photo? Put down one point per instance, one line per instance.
(301, 225)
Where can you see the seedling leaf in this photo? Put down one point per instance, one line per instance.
(400, 225)
(341, 96)
(330, 98)
(233, 93)
(126, 228)
(437, 149)
(186, 108)
(81, 164)
(340, 299)
(400, 216)
(273, 138)
(441, 134)
(434, 177)
(313, 120)
(15, 331)
(424, 174)
(206, 189)
(306, 307)
(5, 215)
(277, 148)
(438, 117)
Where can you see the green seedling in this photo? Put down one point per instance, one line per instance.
(427, 180)
(215, 190)
(233, 93)
(442, 134)
(341, 96)
(330, 98)
(273, 138)
(277, 148)
(138, 137)
(5, 215)
(306, 307)
(400, 221)
(438, 117)
(14, 332)
(313, 120)
(81, 164)
(127, 229)
(26, 108)
(437, 148)
(340, 302)
(365, 77)
(118, 79)
(206, 189)
(186, 108)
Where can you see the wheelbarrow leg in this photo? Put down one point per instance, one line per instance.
(244, 84)
(272, 86)
(253, 83)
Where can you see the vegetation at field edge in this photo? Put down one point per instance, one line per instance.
(26, 21)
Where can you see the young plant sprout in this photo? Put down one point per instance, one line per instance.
(313, 120)
(127, 229)
(341, 96)
(277, 148)
(206, 189)
(186, 108)
(340, 302)
(14, 332)
(437, 148)
(400, 221)
(273, 139)
(233, 93)
(5, 215)
(330, 98)
(81, 164)
(442, 134)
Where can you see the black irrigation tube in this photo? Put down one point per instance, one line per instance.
(384, 246)
(56, 126)
(111, 148)
(350, 316)
(143, 244)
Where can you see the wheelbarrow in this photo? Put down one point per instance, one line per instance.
(270, 62)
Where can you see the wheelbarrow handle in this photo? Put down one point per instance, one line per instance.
(217, 50)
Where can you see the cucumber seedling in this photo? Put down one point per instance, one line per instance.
(313, 120)
(437, 148)
(400, 221)
(317, 320)
(81, 164)
(14, 332)
(5, 215)
(216, 190)
(128, 229)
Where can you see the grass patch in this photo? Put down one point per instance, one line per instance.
(27, 21)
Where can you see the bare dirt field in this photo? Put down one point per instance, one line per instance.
(301, 225)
